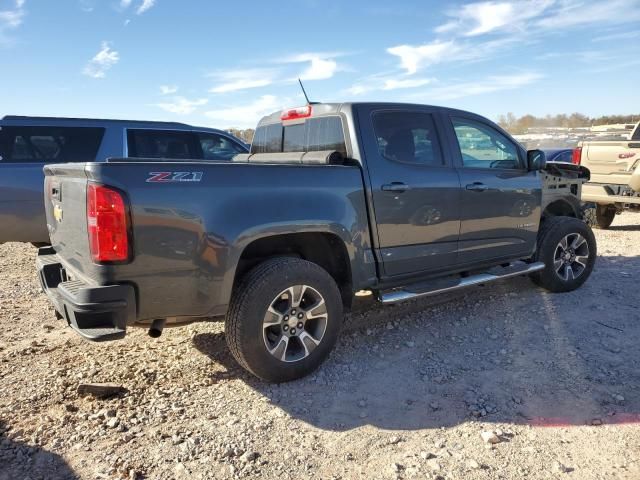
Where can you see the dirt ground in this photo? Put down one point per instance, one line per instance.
(408, 392)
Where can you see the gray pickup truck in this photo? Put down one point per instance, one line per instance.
(27, 144)
(397, 200)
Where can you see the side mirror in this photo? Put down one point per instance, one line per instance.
(536, 160)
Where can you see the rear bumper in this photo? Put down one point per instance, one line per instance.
(97, 313)
(605, 194)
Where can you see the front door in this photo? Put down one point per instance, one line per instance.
(415, 191)
(500, 197)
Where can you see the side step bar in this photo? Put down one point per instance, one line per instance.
(437, 286)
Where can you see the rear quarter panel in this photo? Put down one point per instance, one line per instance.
(188, 236)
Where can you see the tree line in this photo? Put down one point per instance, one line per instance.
(518, 125)
(245, 135)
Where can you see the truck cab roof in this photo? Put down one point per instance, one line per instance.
(29, 121)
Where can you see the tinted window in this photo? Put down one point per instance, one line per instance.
(267, 139)
(564, 157)
(636, 133)
(315, 134)
(408, 137)
(162, 144)
(482, 146)
(49, 144)
(218, 147)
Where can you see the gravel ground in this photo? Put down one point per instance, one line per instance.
(498, 382)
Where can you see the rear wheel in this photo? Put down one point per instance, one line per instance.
(284, 319)
(601, 216)
(567, 247)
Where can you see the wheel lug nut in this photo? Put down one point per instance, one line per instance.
(300, 325)
(293, 312)
(286, 317)
(300, 316)
(293, 331)
(285, 328)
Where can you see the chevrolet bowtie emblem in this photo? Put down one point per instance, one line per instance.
(57, 213)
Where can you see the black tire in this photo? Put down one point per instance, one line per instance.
(552, 232)
(600, 216)
(252, 298)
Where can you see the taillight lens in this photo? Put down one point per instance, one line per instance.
(577, 156)
(295, 113)
(107, 224)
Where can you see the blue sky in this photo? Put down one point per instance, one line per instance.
(225, 64)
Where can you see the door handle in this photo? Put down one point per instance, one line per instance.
(398, 187)
(477, 187)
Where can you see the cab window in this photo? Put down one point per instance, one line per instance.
(407, 137)
(482, 146)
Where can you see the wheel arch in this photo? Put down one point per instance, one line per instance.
(562, 208)
(325, 248)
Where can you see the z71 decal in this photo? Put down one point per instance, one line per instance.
(168, 177)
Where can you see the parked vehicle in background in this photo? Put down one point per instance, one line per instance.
(27, 144)
(615, 177)
(400, 200)
(562, 155)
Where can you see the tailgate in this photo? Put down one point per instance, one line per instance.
(611, 158)
(65, 193)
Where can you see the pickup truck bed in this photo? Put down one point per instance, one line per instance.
(419, 201)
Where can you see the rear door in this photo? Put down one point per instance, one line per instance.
(415, 189)
(500, 198)
(24, 151)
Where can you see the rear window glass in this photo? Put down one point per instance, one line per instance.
(315, 134)
(49, 144)
(162, 144)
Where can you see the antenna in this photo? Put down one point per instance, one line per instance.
(305, 93)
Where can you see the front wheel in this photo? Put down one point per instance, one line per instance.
(284, 319)
(567, 247)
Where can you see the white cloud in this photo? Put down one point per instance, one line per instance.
(103, 60)
(11, 18)
(573, 13)
(478, 87)
(246, 116)
(124, 4)
(413, 58)
(530, 16)
(181, 105)
(320, 69)
(321, 65)
(168, 89)
(145, 5)
(387, 82)
(235, 80)
(485, 17)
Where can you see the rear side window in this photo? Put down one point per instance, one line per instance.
(407, 137)
(162, 144)
(49, 144)
(315, 134)
(636, 133)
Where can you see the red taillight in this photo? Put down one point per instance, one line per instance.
(295, 113)
(577, 156)
(107, 224)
